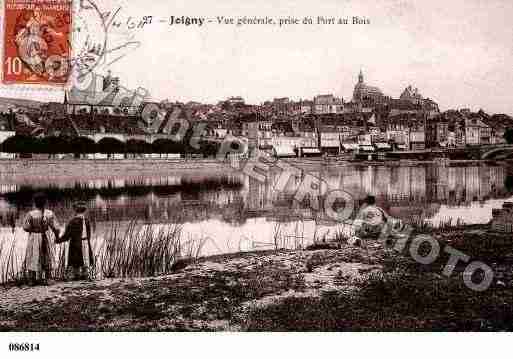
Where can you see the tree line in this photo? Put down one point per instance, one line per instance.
(109, 145)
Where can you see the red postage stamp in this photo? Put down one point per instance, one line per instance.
(37, 46)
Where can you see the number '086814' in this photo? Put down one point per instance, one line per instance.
(23, 347)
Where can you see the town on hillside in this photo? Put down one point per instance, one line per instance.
(369, 126)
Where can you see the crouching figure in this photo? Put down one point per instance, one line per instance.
(373, 223)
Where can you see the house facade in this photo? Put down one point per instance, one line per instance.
(325, 104)
(477, 132)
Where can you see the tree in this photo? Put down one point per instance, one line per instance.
(164, 145)
(110, 145)
(82, 145)
(210, 148)
(508, 183)
(508, 135)
(54, 145)
(138, 146)
(20, 144)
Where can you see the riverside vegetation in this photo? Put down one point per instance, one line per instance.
(347, 288)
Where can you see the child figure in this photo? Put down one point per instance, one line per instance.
(80, 254)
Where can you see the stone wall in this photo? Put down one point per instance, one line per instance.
(88, 168)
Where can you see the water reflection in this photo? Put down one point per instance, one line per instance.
(232, 212)
(405, 191)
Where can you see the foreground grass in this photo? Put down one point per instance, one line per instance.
(391, 303)
(346, 289)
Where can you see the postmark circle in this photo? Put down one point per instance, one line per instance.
(89, 38)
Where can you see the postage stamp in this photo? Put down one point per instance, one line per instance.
(37, 45)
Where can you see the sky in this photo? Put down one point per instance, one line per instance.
(458, 52)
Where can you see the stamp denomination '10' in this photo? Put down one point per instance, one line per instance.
(37, 42)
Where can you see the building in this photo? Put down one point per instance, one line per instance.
(79, 103)
(413, 96)
(455, 128)
(477, 132)
(498, 135)
(306, 107)
(375, 134)
(305, 130)
(259, 132)
(280, 105)
(325, 104)
(417, 139)
(407, 132)
(437, 133)
(417, 128)
(329, 139)
(365, 94)
(398, 132)
(265, 133)
(234, 101)
(402, 107)
(451, 139)
(293, 142)
(459, 133)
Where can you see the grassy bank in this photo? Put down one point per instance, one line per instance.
(349, 288)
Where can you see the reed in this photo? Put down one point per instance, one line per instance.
(10, 267)
(277, 236)
(126, 250)
(422, 225)
(283, 239)
(141, 250)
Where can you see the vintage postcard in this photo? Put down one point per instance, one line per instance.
(329, 166)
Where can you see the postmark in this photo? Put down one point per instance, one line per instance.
(37, 42)
(89, 37)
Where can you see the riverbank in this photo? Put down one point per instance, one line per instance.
(346, 288)
(106, 168)
(146, 167)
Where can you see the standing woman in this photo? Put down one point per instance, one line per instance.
(38, 257)
(80, 253)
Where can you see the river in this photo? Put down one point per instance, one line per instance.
(230, 211)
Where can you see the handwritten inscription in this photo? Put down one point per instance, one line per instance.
(141, 22)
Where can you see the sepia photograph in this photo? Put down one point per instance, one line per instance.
(293, 166)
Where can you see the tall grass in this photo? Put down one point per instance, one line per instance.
(126, 250)
(294, 239)
(10, 269)
(139, 250)
(12, 265)
(422, 225)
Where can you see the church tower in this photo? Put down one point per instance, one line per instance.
(360, 77)
(363, 92)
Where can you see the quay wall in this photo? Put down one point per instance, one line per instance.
(97, 168)
(134, 167)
